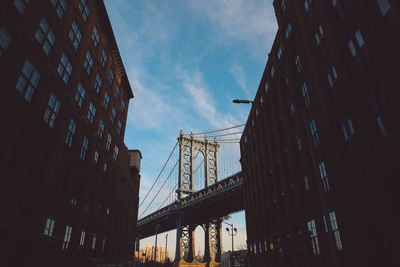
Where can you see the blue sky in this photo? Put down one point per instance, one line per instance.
(186, 61)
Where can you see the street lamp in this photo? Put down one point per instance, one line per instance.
(232, 232)
(242, 101)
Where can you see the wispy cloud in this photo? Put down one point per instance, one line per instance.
(240, 77)
(252, 21)
(203, 102)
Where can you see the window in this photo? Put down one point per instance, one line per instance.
(49, 227)
(84, 8)
(61, 6)
(106, 100)
(306, 184)
(298, 141)
(307, 5)
(103, 244)
(101, 128)
(75, 35)
(266, 87)
(70, 132)
(272, 71)
(319, 34)
(91, 112)
(103, 58)
(113, 114)
(119, 127)
(67, 237)
(116, 94)
(122, 105)
(304, 92)
(52, 110)
(88, 63)
(332, 76)
(105, 167)
(312, 229)
(108, 144)
(279, 52)
(97, 83)
(334, 3)
(283, 5)
(21, 5)
(94, 242)
(314, 132)
(116, 150)
(84, 147)
(107, 216)
(64, 68)
(45, 36)
(96, 157)
(80, 94)
(5, 40)
(381, 126)
(298, 63)
(384, 6)
(288, 30)
(291, 108)
(348, 130)
(82, 240)
(111, 76)
(95, 37)
(335, 230)
(352, 48)
(28, 80)
(74, 200)
(359, 40)
(324, 177)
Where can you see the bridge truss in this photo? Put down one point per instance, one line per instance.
(198, 197)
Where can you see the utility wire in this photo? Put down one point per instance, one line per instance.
(220, 130)
(165, 164)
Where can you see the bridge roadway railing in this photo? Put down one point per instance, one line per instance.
(222, 186)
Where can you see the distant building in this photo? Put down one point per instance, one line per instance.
(147, 254)
(234, 259)
(319, 150)
(69, 185)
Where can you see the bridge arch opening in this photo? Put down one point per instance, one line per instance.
(198, 170)
(199, 242)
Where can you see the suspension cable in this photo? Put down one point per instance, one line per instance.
(170, 193)
(201, 163)
(220, 130)
(165, 164)
(169, 175)
(210, 136)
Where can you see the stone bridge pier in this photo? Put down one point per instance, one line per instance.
(185, 237)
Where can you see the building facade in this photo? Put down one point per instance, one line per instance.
(69, 185)
(319, 148)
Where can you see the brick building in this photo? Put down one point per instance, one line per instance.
(319, 148)
(69, 185)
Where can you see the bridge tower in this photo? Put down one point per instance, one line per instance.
(189, 147)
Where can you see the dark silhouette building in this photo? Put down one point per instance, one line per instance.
(319, 152)
(69, 185)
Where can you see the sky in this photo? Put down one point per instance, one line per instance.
(186, 60)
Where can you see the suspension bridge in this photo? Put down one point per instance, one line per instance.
(188, 192)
